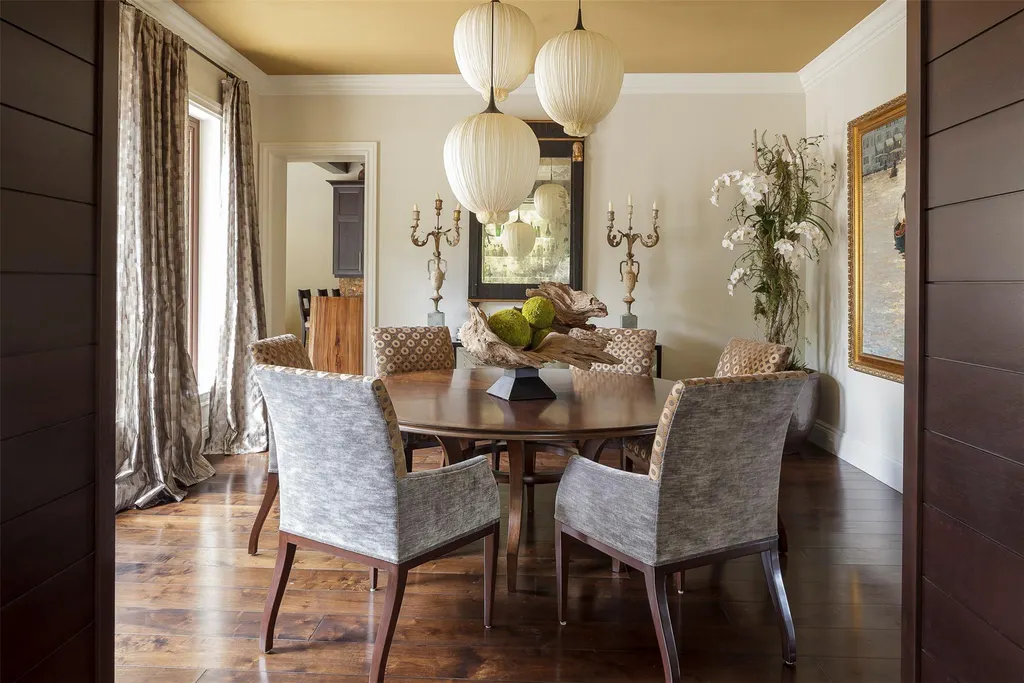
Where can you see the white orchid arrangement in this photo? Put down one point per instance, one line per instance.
(779, 221)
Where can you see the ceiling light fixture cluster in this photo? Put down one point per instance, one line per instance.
(491, 158)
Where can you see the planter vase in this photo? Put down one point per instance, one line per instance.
(805, 414)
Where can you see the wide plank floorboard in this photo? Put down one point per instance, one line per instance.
(189, 598)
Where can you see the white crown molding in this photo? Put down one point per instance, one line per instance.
(889, 16)
(180, 22)
(453, 84)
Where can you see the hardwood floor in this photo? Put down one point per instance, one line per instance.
(189, 598)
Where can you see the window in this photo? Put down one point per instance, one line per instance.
(207, 254)
(192, 216)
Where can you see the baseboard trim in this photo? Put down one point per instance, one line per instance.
(864, 457)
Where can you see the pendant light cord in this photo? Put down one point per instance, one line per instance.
(579, 17)
(492, 108)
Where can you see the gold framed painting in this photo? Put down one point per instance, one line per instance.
(876, 184)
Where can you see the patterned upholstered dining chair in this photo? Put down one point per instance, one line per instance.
(398, 350)
(634, 348)
(345, 491)
(711, 494)
(740, 357)
(284, 350)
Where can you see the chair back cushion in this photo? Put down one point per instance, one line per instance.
(398, 350)
(717, 455)
(752, 357)
(284, 350)
(340, 457)
(634, 348)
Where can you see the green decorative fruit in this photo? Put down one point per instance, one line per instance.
(538, 337)
(539, 312)
(511, 327)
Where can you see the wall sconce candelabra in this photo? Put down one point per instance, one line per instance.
(437, 267)
(629, 269)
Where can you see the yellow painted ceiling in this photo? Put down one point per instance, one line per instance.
(415, 36)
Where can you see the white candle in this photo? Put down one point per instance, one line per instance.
(655, 206)
(437, 195)
(415, 207)
(629, 200)
(610, 206)
(458, 207)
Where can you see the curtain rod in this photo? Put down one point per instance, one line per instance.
(190, 47)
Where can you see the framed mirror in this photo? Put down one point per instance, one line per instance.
(543, 240)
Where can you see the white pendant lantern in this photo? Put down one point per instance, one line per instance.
(552, 201)
(514, 41)
(518, 239)
(491, 160)
(579, 78)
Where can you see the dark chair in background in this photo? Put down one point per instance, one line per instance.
(304, 304)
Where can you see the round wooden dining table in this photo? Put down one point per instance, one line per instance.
(589, 408)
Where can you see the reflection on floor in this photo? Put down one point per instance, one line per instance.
(189, 598)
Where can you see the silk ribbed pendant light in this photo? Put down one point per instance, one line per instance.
(518, 238)
(579, 78)
(551, 200)
(514, 40)
(491, 159)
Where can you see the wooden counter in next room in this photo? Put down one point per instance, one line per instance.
(336, 333)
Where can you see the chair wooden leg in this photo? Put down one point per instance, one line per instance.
(408, 458)
(285, 557)
(268, 502)
(373, 579)
(490, 573)
(530, 468)
(773, 573)
(657, 596)
(562, 571)
(681, 582)
(397, 577)
(783, 539)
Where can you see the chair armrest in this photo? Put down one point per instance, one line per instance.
(437, 506)
(619, 509)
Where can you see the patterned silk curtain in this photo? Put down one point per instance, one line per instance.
(159, 427)
(238, 422)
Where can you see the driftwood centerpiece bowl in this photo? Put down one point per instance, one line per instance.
(522, 380)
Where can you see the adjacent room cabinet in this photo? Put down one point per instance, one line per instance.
(348, 227)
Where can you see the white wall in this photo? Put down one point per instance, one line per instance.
(204, 79)
(862, 416)
(664, 148)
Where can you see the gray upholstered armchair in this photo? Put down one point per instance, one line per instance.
(284, 350)
(711, 494)
(345, 490)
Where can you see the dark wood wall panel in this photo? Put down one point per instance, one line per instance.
(26, 246)
(41, 543)
(965, 85)
(980, 158)
(67, 24)
(46, 158)
(54, 387)
(976, 405)
(59, 87)
(959, 313)
(990, 585)
(72, 662)
(61, 308)
(46, 617)
(932, 671)
(960, 239)
(982, 490)
(963, 644)
(953, 23)
(58, 223)
(41, 466)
